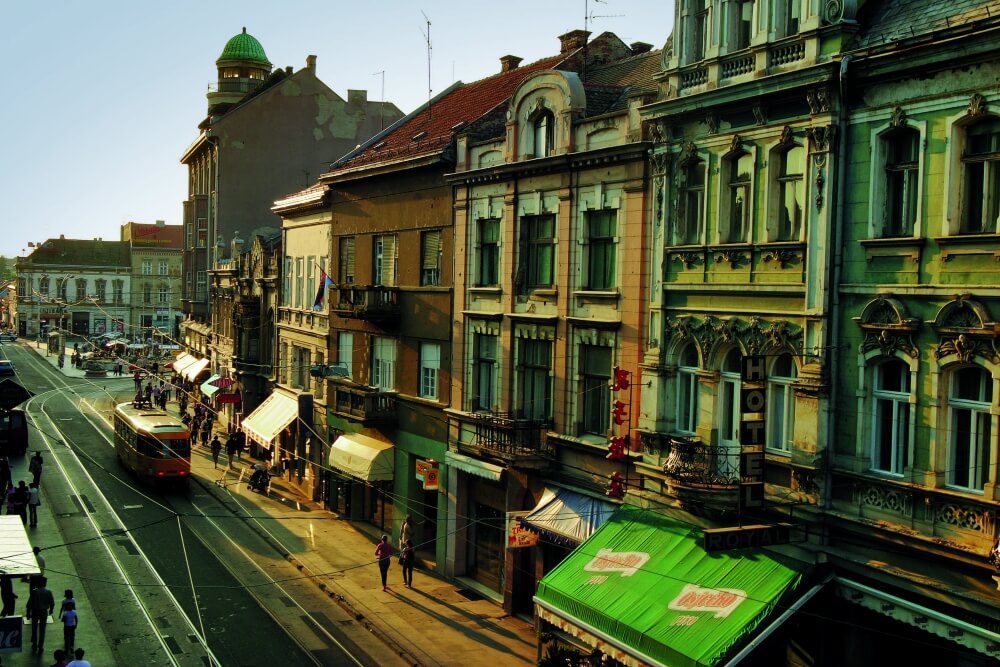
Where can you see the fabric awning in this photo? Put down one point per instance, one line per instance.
(363, 457)
(192, 371)
(473, 466)
(16, 557)
(270, 418)
(183, 361)
(644, 589)
(567, 517)
(209, 389)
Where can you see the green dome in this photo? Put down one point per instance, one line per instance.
(244, 47)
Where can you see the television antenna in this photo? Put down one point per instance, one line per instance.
(427, 39)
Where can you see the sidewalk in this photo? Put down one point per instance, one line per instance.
(432, 623)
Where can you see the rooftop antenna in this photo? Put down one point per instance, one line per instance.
(427, 38)
(381, 104)
(587, 18)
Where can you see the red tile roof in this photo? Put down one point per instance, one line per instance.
(430, 130)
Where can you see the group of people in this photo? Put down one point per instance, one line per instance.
(152, 395)
(236, 442)
(22, 499)
(407, 557)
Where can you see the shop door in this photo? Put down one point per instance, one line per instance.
(524, 580)
(485, 558)
(427, 541)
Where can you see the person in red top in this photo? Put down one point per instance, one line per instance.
(383, 552)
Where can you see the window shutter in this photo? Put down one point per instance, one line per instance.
(389, 260)
(432, 249)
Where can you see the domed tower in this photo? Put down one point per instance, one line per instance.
(243, 67)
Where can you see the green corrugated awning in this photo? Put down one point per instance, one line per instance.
(644, 589)
(209, 389)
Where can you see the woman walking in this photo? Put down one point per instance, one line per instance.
(406, 559)
(383, 552)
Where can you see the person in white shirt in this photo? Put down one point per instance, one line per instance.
(79, 662)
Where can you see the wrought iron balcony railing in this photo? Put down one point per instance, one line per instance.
(506, 436)
(374, 303)
(365, 404)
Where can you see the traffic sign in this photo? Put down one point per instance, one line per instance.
(12, 394)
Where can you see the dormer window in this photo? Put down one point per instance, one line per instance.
(543, 130)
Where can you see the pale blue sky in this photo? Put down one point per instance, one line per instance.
(102, 97)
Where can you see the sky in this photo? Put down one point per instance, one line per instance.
(103, 97)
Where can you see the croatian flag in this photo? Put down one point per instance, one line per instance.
(324, 282)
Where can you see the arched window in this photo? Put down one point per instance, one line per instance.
(687, 390)
(781, 404)
(543, 134)
(970, 428)
(789, 191)
(981, 176)
(890, 434)
(691, 217)
(737, 172)
(900, 148)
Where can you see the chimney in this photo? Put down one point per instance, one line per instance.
(508, 63)
(357, 98)
(288, 69)
(572, 40)
(640, 47)
(311, 62)
(161, 223)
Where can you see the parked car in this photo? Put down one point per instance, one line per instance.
(7, 336)
(7, 367)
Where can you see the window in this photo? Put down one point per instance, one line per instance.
(788, 15)
(189, 235)
(981, 165)
(601, 229)
(739, 19)
(346, 266)
(101, 287)
(691, 215)
(202, 232)
(430, 258)
(970, 427)
(484, 368)
(345, 351)
(118, 291)
(147, 294)
(891, 416)
(385, 260)
(147, 267)
(43, 287)
(537, 261)
(63, 290)
(301, 363)
(163, 268)
(534, 385)
(164, 294)
(202, 287)
(384, 363)
(687, 391)
(738, 170)
(697, 24)
(790, 193)
(595, 374)
(542, 134)
(901, 180)
(488, 271)
(312, 272)
(286, 283)
(729, 399)
(430, 364)
(781, 404)
(299, 281)
(81, 289)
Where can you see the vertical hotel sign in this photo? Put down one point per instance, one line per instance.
(753, 405)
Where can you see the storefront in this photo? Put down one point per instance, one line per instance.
(265, 424)
(643, 591)
(480, 542)
(360, 487)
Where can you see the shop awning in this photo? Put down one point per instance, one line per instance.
(473, 466)
(270, 418)
(644, 590)
(192, 371)
(567, 517)
(183, 361)
(362, 457)
(209, 389)
(16, 557)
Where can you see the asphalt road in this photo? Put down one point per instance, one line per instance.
(179, 575)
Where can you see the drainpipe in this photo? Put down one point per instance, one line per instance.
(834, 273)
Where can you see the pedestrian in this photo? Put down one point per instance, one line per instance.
(406, 559)
(383, 552)
(137, 379)
(156, 367)
(69, 619)
(149, 392)
(241, 441)
(60, 658)
(231, 450)
(156, 395)
(405, 531)
(205, 432)
(22, 501)
(14, 500)
(34, 502)
(7, 595)
(41, 604)
(5, 476)
(79, 662)
(216, 449)
(35, 467)
(194, 433)
(67, 600)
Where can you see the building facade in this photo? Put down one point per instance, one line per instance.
(155, 295)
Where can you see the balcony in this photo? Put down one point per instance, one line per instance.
(702, 476)
(501, 436)
(367, 405)
(375, 303)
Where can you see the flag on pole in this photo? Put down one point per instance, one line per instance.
(324, 282)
